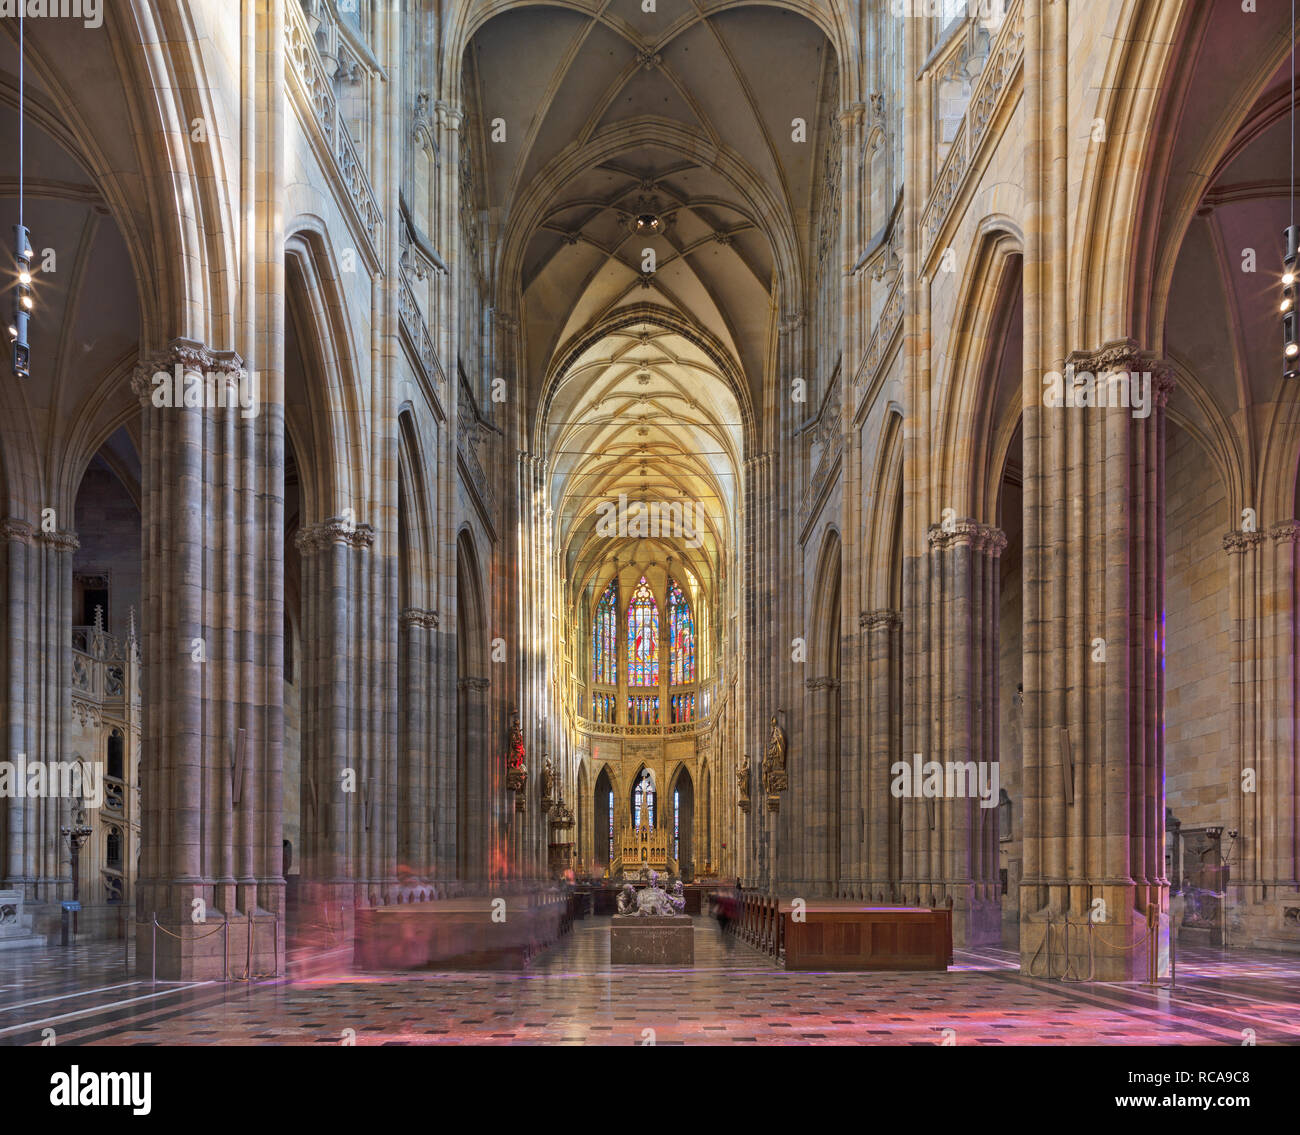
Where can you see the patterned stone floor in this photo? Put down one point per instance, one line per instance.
(571, 995)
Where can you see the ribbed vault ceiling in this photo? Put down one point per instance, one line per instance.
(685, 116)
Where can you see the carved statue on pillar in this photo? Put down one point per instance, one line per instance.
(742, 782)
(775, 778)
(516, 770)
(548, 784)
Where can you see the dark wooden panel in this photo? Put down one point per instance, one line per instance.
(840, 936)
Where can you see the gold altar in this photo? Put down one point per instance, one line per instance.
(644, 847)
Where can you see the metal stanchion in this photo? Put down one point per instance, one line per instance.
(1173, 948)
(1153, 948)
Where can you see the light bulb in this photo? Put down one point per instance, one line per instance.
(27, 302)
(1292, 350)
(24, 277)
(1288, 278)
(1287, 304)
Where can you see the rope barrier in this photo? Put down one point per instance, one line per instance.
(1149, 939)
(196, 938)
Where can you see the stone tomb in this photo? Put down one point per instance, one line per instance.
(652, 940)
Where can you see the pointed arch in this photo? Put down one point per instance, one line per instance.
(604, 805)
(680, 819)
(824, 648)
(982, 393)
(643, 637)
(643, 798)
(681, 636)
(417, 563)
(322, 408)
(604, 636)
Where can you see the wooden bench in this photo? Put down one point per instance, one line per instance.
(840, 935)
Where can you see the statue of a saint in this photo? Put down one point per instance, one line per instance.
(548, 783)
(516, 770)
(742, 782)
(775, 778)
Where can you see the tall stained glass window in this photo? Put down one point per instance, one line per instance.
(642, 637)
(681, 636)
(604, 637)
(611, 825)
(643, 801)
(677, 800)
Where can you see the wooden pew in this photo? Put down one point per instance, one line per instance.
(842, 935)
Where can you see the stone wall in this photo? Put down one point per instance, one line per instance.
(1198, 778)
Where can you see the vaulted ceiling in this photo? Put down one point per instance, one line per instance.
(613, 115)
(1222, 323)
(644, 414)
(684, 119)
(85, 325)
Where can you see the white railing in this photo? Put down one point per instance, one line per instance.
(316, 92)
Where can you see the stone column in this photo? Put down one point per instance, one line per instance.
(747, 852)
(827, 816)
(1094, 681)
(421, 787)
(341, 785)
(477, 802)
(880, 810)
(951, 840)
(210, 756)
(34, 857)
(1266, 772)
(16, 872)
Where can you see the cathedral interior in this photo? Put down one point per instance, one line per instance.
(722, 505)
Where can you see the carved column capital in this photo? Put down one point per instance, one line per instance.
(191, 356)
(60, 541)
(15, 530)
(822, 683)
(418, 617)
(884, 617)
(448, 115)
(1122, 356)
(853, 114)
(981, 537)
(1237, 541)
(1288, 530)
(475, 685)
(314, 537)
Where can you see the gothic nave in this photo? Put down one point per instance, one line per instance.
(647, 521)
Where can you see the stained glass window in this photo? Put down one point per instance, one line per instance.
(602, 709)
(677, 800)
(681, 636)
(604, 637)
(611, 825)
(683, 708)
(643, 710)
(642, 637)
(643, 801)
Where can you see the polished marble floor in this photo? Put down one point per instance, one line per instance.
(571, 995)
